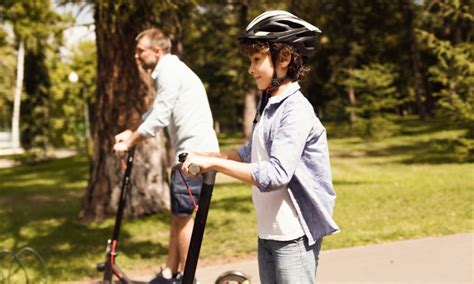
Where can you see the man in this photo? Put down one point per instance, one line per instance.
(182, 106)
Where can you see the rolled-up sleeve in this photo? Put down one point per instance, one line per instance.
(160, 114)
(245, 151)
(289, 140)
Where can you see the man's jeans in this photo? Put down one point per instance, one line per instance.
(288, 262)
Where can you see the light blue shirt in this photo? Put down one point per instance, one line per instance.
(182, 106)
(297, 146)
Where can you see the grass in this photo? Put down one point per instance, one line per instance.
(404, 187)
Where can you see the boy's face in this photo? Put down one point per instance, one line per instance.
(261, 68)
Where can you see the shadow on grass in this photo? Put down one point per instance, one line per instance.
(39, 207)
(413, 126)
(46, 175)
(64, 243)
(435, 151)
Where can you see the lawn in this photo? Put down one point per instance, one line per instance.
(409, 186)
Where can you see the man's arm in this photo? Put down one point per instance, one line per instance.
(127, 139)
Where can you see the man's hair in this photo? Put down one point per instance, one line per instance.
(157, 39)
(279, 51)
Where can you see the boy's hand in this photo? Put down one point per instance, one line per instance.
(193, 160)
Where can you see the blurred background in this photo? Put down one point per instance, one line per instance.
(391, 80)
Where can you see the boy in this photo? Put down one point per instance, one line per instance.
(286, 159)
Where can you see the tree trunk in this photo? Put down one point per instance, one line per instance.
(407, 8)
(250, 104)
(123, 93)
(352, 101)
(350, 60)
(250, 108)
(17, 99)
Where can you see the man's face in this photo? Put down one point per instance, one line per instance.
(146, 55)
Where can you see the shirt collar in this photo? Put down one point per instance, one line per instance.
(162, 62)
(290, 90)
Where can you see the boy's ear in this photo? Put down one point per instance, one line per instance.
(285, 62)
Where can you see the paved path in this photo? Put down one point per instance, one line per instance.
(429, 260)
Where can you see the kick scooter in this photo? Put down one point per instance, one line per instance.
(111, 269)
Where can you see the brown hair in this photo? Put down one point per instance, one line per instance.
(279, 51)
(157, 39)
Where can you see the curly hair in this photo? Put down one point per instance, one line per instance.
(279, 51)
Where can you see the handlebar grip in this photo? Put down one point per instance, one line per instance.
(194, 169)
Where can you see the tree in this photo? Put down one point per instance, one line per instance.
(455, 73)
(377, 99)
(124, 92)
(409, 17)
(35, 26)
(69, 123)
(7, 79)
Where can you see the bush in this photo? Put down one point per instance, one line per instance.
(375, 128)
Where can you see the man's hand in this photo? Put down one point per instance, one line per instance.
(120, 148)
(123, 136)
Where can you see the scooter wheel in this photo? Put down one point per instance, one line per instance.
(233, 277)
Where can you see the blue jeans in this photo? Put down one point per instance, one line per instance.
(288, 261)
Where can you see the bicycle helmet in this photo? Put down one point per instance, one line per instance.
(282, 26)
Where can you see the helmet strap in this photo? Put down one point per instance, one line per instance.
(261, 105)
(276, 82)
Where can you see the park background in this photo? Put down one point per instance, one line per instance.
(391, 80)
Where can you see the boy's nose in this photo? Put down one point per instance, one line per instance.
(250, 70)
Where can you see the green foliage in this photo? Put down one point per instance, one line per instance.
(354, 34)
(68, 121)
(374, 87)
(448, 39)
(455, 73)
(40, 29)
(464, 149)
(211, 49)
(376, 97)
(212, 52)
(33, 21)
(7, 80)
(375, 128)
(168, 15)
